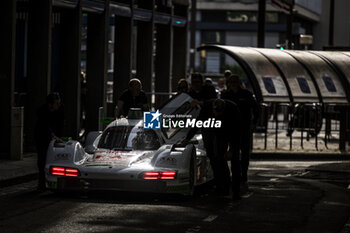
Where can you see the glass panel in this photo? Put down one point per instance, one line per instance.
(271, 17)
(184, 109)
(329, 84)
(304, 86)
(129, 138)
(269, 86)
(212, 37)
(213, 16)
(213, 62)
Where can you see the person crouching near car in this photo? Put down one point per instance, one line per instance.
(49, 126)
(221, 142)
(133, 97)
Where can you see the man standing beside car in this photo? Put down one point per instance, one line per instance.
(49, 126)
(249, 110)
(217, 140)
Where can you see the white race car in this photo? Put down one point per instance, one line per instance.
(128, 157)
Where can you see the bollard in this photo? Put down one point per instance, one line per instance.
(17, 133)
(100, 116)
(342, 129)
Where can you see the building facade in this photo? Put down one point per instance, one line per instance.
(46, 44)
(341, 31)
(233, 22)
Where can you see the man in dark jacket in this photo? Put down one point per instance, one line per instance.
(217, 140)
(249, 110)
(49, 126)
(200, 92)
(133, 97)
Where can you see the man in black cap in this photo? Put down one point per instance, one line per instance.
(49, 126)
(249, 110)
(217, 140)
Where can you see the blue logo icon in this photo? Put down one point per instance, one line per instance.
(151, 120)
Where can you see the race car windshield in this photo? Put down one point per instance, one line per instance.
(129, 138)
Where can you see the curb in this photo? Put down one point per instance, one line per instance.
(18, 180)
(300, 156)
(329, 171)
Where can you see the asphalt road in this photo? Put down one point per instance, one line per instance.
(285, 198)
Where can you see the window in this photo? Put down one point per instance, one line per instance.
(304, 86)
(269, 85)
(328, 81)
(250, 17)
(213, 62)
(213, 16)
(184, 109)
(129, 138)
(213, 37)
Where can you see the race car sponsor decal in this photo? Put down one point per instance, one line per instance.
(167, 161)
(64, 156)
(116, 157)
(112, 155)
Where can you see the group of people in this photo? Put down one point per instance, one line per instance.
(230, 102)
(238, 111)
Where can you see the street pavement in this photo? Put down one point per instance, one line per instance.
(286, 196)
(18, 171)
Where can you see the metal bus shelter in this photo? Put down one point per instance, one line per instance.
(310, 88)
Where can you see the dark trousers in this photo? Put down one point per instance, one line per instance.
(236, 174)
(245, 149)
(41, 150)
(216, 146)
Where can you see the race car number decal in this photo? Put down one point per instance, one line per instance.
(63, 156)
(168, 160)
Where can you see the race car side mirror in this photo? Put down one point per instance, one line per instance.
(90, 149)
(91, 137)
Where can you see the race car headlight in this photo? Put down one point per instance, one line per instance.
(63, 171)
(165, 175)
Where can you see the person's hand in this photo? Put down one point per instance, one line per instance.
(183, 143)
(195, 103)
(57, 139)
